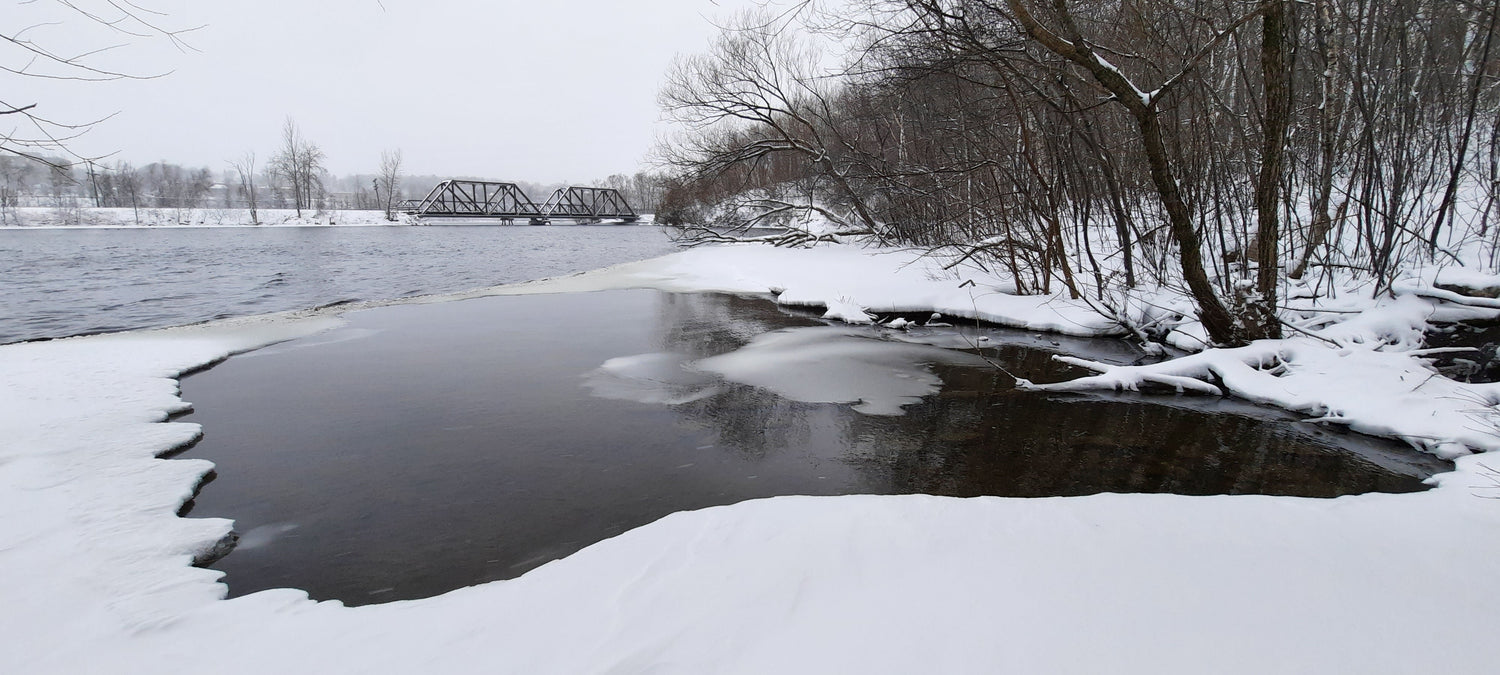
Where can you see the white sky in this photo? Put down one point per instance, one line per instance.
(537, 91)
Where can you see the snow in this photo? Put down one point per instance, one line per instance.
(1469, 277)
(1374, 392)
(1141, 96)
(97, 576)
(1353, 363)
(845, 280)
(836, 365)
(658, 378)
(845, 310)
(1109, 583)
(821, 364)
(89, 538)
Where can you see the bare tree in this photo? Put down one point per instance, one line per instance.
(1065, 39)
(1164, 141)
(29, 130)
(389, 181)
(759, 96)
(299, 163)
(245, 168)
(14, 172)
(128, 180)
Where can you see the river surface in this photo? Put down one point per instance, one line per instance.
(62, 282)
(424, 448)
(428, 447)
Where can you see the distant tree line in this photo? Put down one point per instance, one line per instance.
(295, 178)
(643, 189)
(1219, 144)
(39, 167)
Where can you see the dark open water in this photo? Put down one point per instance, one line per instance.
(429, 447)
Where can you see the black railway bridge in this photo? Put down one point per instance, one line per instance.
(506, 203)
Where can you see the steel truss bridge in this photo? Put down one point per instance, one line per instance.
(507, 203)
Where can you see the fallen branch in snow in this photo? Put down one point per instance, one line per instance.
(1450, 296)
(697, 235)
(1119, 378)
(1360, 384)
(767, 212)
(1307, 332)
(1490, 474)
(1442, 350)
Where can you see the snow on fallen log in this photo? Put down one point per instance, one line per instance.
(1120, 378)
(1364, 387)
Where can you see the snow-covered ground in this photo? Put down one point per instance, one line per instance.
(37, 217)
(96, 573)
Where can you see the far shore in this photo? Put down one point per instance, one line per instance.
(44, 217)
(53, 218)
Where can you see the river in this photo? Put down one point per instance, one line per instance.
(62, 282)
(426, 447)
(423, 448)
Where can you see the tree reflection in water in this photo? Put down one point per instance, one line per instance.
(428, 447)
(980, 436)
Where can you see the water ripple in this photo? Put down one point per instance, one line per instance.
(72, 282)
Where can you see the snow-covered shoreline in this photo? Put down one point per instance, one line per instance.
(157, 218)
(46, 218)
(1341, 365)
(97, 573)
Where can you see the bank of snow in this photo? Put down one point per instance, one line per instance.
(96, 574)
(1352, 359)
(42, 217)
(844, 279)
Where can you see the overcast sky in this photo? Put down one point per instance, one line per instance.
(539, 90)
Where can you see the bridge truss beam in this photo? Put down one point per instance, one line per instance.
(477, 199)
(506, 201)
(587, 204)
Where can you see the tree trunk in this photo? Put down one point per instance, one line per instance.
(1445, 208)
(1217, 321)
(1262, 321)
(1221, 326)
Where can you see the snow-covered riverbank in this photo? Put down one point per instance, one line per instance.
(97, 576)
(41, 217)
(81, 217)
(1352, 359)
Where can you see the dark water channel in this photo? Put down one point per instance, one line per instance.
(428, 447)
(1481, 361)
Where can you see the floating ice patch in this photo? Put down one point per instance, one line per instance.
(331, 337)
(848, 311)
(837, 365)
(650, 378)
(265, 534)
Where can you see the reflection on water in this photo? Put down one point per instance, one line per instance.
(430, 447)
(878, 375)
(651, 378)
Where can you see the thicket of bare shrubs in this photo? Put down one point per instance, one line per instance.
(1095, 146)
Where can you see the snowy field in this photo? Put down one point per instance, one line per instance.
(37, 216)
(97, 573)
